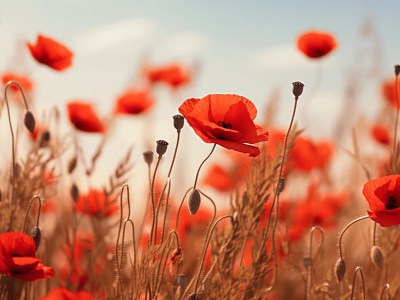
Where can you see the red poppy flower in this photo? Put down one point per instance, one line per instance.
(18, 258)
(24, 81)
(134, 101)
(174, 75)
(226, 120)
(316, 44)
(383, 196)
(66, 294)
(316, 210)
(307, 155)
(49, 52)
(83, 116)
(95, 203)
(389, 91)
(381, 134)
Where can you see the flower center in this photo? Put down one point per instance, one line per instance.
(392, 203)
(225, 125)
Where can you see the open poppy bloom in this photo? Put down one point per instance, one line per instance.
(134, 102)
(95, 203)
(316, 44)
(383, 196)
(226, 120)
(18, 258)
(389, 91)
(381, 134)
(23, 80)
(66, 294)
(174, 75)
(307, 155)
(83, 116)
(49, 52)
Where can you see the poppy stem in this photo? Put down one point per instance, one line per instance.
(345, 229)
(12, 132)
(358, 271)
(153, 206)
(275, 203)
(125, 187)
(203, 256)
(374, 234)
(128, 220)
(39, 200)
(308, 262)
(179, 209)
(198, 170)
(386, 291)
(397, 120)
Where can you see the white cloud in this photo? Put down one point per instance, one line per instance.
(284, 56)
(111, 35)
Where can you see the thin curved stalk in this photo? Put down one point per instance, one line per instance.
(345, 229)
(39, 200)
(358, 271)
(153, 206)
(198, 170)
(310, 262)
(9, 83)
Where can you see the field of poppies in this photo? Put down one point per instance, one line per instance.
(270, 212)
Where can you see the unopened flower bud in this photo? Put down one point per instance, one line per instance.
(377, 257)
(340, 269)
(194, 200)
(280, 185)
(44, 138)
(74, 192)
(148, 157)
(182, 280)
(297, 88)
(161, 147)
(397, 70)
(36, 235)
(72, 165)
(179, 121)
(29, 121)
(307, 262)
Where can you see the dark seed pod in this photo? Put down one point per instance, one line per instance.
(307, 261)
(297, 88)
(179, 121)
(29, 121)
(182, 280)
(397, 70)
(377, 257)
(74, 192)
(193, 297)
(194, 200)
(36, 235)
(72, 165)
(340, 269)
(148, 157)
(161, 147)
(44, 139)
(280, 186)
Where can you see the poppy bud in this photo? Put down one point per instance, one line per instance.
(182, 280)
(161, 147)
(36, 235)
(74, 192)
(179, 121)
(72, 165)
(307, 262)
(377, 257)
(44, 138)
(340, 269)
(148, 157)
(194, 200)
(29, 121)
(193, 296)
(297, 88)
(280, 186)
(397, 70)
